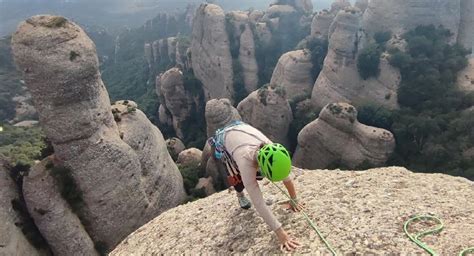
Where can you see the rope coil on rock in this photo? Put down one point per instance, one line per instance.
(416, 237)
(310, 222)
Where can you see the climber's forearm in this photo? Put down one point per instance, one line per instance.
(290, 187)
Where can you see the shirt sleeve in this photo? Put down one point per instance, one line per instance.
(248, 173)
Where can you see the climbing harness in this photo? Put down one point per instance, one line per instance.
(438, 228)
(310, 222)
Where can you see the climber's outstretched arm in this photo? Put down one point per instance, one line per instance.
(294, 204)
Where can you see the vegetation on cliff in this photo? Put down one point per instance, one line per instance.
(433, 128)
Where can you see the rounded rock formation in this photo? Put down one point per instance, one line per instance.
(321, 24)
(190, 157)
(175, 146)
(76, 116)
(247, 59)
(336, 137)
(268, 110)
(293, 72)
(219, 113)
(339, 81)
(211, 58)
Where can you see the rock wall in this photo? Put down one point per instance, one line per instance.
(339, 81)
(293, 72)
(268, 110)
(466, 77)
(336, 137)
(359, 213)
(398, 16)
(12, 239)
(247, 59)
(211, 58)
(75, 114)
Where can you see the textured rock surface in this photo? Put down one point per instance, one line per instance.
(53, 216)
(361, 4)
(219, 113)
(321, 23)
(466, 77)
(339, 5)
(337, 137)
(211, 59)
(466, 28)
(75, 113)
(359, 213)
(172, 41)
(247, 59)
(293, 72)
(304, 5)
(263, 33)
(278, 10)
(175, 146)
(190, 157)
(340, 81)
(24, 109)
(12, 240)
(178, 101)
(398, 16)
(269, 111)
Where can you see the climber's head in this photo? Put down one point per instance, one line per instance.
(274, 161)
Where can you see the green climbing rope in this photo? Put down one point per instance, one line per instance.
(416, 238)
(311, 223)
(438, 228)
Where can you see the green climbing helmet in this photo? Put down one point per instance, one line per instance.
(274, 161)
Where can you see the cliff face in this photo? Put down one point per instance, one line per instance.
(398, 16)
(61, 69)
(12, 240)
(211, 58)
(339, 81)
(466, 28)
(360, 213)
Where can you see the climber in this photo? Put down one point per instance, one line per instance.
(247, 154)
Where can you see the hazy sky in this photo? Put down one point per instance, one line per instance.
(111, 13)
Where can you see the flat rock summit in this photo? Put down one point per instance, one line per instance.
(360, 213)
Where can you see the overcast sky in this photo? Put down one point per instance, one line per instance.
(111, 13)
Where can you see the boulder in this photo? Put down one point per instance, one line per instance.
(321, 23)
(256, 15)
(339, 81)
(190, 157)
(263, 33)
(76, 116)
(359, 213)
(268, 110)
(211, 58)
(12, 239)
(53, 215)
(466, 27)
(337, 137)
(399, 16)
(293, 72)
(219, 113)
(175, 146)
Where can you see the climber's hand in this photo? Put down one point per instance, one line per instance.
(294, 206)
(287, 243)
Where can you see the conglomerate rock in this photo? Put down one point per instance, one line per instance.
(211, 58)
(268, 110)
(359, 213)
(293, 72)
(219, 113)
(12, 239)
(76, 116)
(339, 81)
(336, 137)
(321, 23)
(190, 157)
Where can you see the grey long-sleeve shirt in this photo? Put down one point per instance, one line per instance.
(242, 142)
